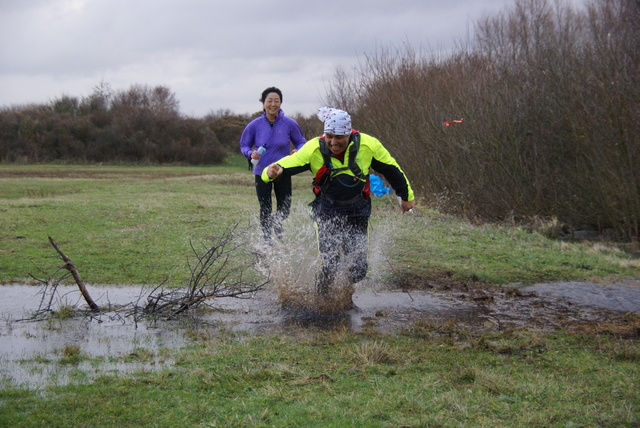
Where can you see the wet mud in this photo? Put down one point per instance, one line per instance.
(31, 351)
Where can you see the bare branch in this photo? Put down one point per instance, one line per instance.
(213, 275)
(71, 268)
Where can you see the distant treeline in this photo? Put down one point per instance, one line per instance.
(138, 125)
(550, 101)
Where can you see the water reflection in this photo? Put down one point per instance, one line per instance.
(32, 352)
(36, 353)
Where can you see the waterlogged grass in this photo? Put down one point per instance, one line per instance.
(134, 225)
(335, 379)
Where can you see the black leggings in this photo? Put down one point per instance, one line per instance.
(269, 222)
(350, 235)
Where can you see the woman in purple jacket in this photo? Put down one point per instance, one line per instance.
(274, 133)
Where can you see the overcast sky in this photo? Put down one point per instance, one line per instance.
(213, 54)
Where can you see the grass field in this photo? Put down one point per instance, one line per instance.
(131, 225)
(136, 225)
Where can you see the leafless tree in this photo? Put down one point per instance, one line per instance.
(549, 96)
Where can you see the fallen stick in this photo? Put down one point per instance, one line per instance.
(71, 268)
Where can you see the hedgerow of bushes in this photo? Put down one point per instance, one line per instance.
(549, 95)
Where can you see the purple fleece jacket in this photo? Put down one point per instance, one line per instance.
(277, 138)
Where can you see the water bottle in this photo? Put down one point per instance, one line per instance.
(260, 151)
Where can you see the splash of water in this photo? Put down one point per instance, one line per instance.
(292, 262)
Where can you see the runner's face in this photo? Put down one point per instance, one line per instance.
(337, 143)
(272, 104)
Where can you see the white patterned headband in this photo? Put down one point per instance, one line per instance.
(336, 122)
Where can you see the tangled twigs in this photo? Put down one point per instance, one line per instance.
(74, 272)
(218, 271)
(48, 292)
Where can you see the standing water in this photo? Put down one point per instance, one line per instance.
(57, 351)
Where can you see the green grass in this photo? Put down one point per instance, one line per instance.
(337, 379)
(503, 254)
(123, 224)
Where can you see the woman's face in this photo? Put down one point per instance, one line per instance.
(271, 104)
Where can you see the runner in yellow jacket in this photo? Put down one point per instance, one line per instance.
(341, 160)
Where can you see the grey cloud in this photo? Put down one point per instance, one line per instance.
(213, 54)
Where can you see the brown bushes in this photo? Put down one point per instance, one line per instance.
(140, 124)
(550, 100)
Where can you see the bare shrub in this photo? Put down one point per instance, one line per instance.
(227, 127)
(310, 125)
(549, 96)
(218, 270)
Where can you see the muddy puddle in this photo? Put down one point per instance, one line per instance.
(38, 353)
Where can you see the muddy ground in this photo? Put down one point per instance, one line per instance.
(28, 347)
(587, 306)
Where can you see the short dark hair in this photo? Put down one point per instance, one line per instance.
(268, 91)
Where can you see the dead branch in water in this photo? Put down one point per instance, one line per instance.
(74, 272)
(48, 291)
(218, 271)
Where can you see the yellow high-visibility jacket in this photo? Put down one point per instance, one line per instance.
(371, 155)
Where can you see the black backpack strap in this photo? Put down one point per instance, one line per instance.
(353, 153)
(326, 154)
(323, 175)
